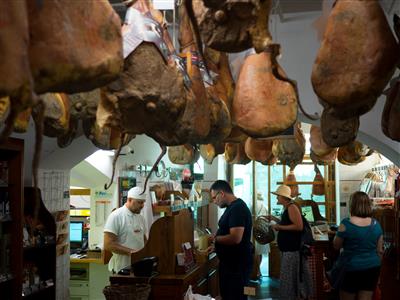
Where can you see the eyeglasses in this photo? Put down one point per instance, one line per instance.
(215, 196)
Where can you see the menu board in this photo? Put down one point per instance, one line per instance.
(124, 185)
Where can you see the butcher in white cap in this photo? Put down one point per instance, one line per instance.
(124, 232)
(294, 267)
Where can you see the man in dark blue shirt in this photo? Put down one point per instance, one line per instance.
(232, 242)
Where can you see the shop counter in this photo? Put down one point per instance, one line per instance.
(203, 278)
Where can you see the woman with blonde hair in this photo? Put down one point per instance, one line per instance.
(361, 238)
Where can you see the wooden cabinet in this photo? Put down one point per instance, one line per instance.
(27, 233)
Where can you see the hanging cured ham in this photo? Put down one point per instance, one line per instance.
(327, 159)
(391, 113)
(356, 59)
(233, 25)
(21, 122)
(74, 45)
(291, 181)
(224, 85)
(338, 132)
(56, 114)
(260, 150)
(197, 108)
(210, 151)
(184, 154)
(265, 102)
(136, 102)
(353, 153)
(318, 187)
(318, 146)
(15, 75)
(290, 151)
(235, 154)
(4, 108)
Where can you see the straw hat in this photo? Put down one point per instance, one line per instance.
(283, 190)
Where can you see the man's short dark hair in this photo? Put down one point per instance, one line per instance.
(221, 185)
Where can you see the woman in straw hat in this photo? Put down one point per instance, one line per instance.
(293, 284)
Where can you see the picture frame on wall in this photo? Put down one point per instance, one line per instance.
(124, 185)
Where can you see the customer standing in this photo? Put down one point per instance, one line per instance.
(361, 238)
(125, 230)
(232, 242)
(295, 277)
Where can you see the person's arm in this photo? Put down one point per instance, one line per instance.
(379, 246)
(338, 241)
(295, 217)
(111, 244)
(233, 238)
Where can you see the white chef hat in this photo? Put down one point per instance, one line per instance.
(136, 193)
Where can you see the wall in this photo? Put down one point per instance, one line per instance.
(351, 176)
(54, 185)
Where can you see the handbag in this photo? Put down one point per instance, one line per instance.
(335, 275)
(262, 231)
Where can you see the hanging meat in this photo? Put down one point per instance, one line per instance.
(56, 114)
(21, 122)
(210, 151)
(74, 45)
(15, 75)
(136, 102)
(233, 25)
(391, 113)
(265, 102)
(84, 107)
(183, 155)
(224, 85)
(4, 108)
(318, 187)
(327, 159)
(338, 132)
(318, 146)
(260, 150)
(357, 58)
(291, 181)
(290, 151)
(353, 153)
(198, 108)
(235, 154)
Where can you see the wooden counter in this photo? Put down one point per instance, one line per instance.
(203, 278)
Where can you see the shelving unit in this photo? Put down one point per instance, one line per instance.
(11, 253)
(39, 256)
(17, 206)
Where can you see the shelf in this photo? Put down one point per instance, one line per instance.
(29, 248)
(5, 219)
(7, 278)
(170, 209)
(38, 290)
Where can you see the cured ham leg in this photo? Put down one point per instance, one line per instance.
(357, 58)
(74, 45)
(265, 102)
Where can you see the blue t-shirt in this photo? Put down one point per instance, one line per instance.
(360, 243)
